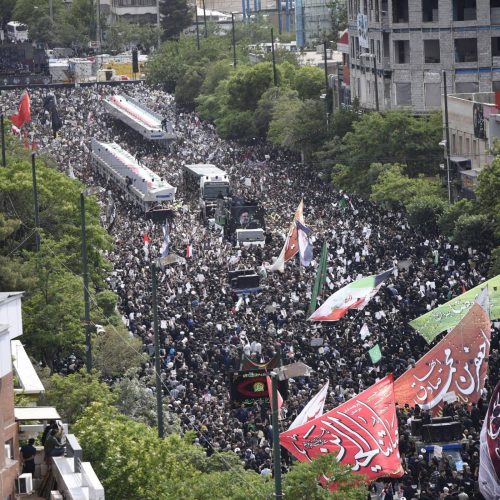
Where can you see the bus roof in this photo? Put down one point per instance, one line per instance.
(17, 24)
(201, 169)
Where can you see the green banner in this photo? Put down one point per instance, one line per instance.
(320, 278)
(375, 354)
(450, 314)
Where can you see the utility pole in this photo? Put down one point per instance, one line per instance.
(158, 23)
(86, 295)
(234, 40)
(98, 23)
(51, 11)
(205, 19)
(278, 8)
(376, 82)
(275, 76)
(447, 128)
(197, 29)
(159, 394)
(35, 203)
(327, 93)
(278, 491)
(2, 126)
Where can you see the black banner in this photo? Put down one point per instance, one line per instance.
(251, 386)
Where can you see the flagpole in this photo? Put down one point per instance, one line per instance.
(278, 492)
(159, 402)
(35, 203)
(4, 161)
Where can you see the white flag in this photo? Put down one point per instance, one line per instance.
(313, 409)
(489, 459)
(364, 332)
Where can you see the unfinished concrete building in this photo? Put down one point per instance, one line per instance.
(399, 48)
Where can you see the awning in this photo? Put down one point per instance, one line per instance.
(36, 413)
(28, 378)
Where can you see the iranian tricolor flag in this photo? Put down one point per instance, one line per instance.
(353, 296)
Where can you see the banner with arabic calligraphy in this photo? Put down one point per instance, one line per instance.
(454, 369)
(448, 315)
(489, 461)
(362, 432)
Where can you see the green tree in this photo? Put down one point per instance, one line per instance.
(474, 231)
(451, 214)
(238, 125)
(216, 72)
(136, 401)
(189, 86)
(495, 263)
(131, 461)
(247, 84)
(424, 213)
(115, 352)
(392, 185)
(309, 82)
(175, 16)
(487, 192)
(72, 394)
(265, 107)
(338, 16)
(302, 481)
(298, 125)
(6, 9)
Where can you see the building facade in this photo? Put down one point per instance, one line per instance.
(399, 48)
(10, 328)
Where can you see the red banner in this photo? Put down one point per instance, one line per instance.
(363, 432)
(454, 369)
(23, 114)
(292, 244)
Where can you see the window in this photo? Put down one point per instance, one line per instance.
(432, 95)
(466, 87)
(402, 51)
(467, 146)
(464, 10)
(431, 51)
(495, 46)
(465, 50)
(377, 12)
(495, 86)
(430, 11)
(495, 11)
(399, 11)
(378, 52)
(403, 94)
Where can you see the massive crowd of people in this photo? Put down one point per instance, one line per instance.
(205, 330)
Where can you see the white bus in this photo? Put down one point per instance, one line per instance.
(17, 32)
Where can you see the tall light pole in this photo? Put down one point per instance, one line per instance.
(234, 40)
(159, 394)
(158, 23)
(278, 489)
(85, 268)
(35, 203)
(447, 128)
(275, 75)
(2, 127)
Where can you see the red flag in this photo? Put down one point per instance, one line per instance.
(189, 251)
(489, 459)
(292, 242)
(453, 369)
(363, 432)
(147, 241)
(270, 392)
(23, 114)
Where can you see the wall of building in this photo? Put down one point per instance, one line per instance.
(414, 81)
(9, 467)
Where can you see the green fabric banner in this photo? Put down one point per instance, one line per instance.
(375, 354)
(320, 278)
(448, 315)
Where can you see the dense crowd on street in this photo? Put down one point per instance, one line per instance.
(205, 328)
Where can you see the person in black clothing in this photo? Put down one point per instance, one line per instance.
(28, 452)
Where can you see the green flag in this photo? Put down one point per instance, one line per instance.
(448, 315)
(375, 354)
(320, 278)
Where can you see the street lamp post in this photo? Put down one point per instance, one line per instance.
(2, 126)
(35, 203)
(85, 268)
(447, 127)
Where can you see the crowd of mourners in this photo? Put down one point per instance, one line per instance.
(205, 328)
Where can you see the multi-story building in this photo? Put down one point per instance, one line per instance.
(10, 328)
(399, 49)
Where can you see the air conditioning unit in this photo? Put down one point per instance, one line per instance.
(25, 483)
(8, 452)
